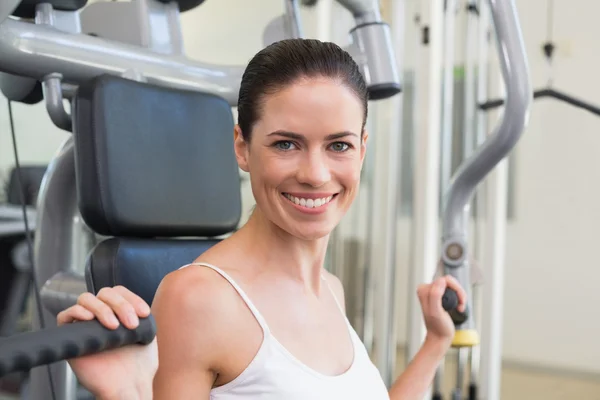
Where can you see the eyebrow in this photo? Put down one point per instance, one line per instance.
(297, 136)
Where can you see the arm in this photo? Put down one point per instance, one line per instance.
(190, 330)
(191, 310)
(414, 382)
(417, 377)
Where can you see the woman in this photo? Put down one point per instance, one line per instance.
(257, 316)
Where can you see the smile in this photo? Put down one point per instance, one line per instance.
(309, 203)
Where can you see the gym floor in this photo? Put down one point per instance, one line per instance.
(525, 383)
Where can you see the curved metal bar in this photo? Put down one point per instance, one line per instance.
(364, 11)
(35, 50)
(7, 7)
(51, 86)
(53, 253)
(515, 72)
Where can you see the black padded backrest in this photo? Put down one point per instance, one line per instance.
(154, 161)
(26, 8)
(139, 264)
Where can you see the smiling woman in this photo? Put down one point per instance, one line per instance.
(257, 315)
(308, 142)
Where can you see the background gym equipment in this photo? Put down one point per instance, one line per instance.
(549, 91)
(15, 267)
(455, 252)
(85, 63)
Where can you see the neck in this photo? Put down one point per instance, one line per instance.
(283, 254)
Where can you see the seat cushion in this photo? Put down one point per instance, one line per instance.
(139, 264)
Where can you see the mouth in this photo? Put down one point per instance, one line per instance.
(310, 203)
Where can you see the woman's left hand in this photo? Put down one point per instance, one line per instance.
(438, 322)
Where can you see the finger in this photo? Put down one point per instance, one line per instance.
(453, 283)
(120, 306)
(438, 287)
(101, 310)
(141, 307)
(423, 294)
(74, 313)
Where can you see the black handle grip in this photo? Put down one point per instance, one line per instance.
(449, 303)
(449, 299)
(28, 350)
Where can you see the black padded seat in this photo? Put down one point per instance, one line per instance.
(139, 264)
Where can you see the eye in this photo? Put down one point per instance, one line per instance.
(284, 145)
(340, 146)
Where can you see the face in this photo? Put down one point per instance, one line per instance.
(305, 156)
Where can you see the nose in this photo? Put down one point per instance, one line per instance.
(314, 170)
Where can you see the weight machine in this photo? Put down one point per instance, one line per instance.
(62, 50)
(97, 226)
(456, 254)
(549, 91)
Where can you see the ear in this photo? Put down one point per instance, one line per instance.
(241, 148)
(363, 145)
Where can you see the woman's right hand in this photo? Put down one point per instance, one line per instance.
(126, 372)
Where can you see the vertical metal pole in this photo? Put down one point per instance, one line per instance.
(493, 205)
(426, 169)
(448, 95)
(292, 18)
(491, 347)
(496, 199)
(370, 259)
(470, 109)
(53, 252)
(386, 348)
(324, 19)
(384, 214)
(470, 112)
(447, 128)
(461, 365)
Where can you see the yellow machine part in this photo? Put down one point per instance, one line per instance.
(466, 338)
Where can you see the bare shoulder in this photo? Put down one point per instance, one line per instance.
(193, 290)
(337, 287)
(191, 303)
(191, 309)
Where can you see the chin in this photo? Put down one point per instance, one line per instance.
(310, 233)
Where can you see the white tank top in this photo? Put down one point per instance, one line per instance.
(276, 374)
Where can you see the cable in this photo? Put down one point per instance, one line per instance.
(36, 289)
(550, 20)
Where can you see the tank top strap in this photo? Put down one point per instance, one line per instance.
(243, 295)
(333, 294)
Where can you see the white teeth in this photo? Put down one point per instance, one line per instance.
(309, 203)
